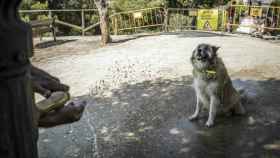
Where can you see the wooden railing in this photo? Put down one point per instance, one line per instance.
(83, 27)
(161, 19)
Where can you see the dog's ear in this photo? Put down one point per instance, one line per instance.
(192, 57)
(215, 48)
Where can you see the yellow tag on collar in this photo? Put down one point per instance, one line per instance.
(211, 72)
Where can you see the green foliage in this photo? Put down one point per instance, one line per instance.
(71, 4)
(32, 5)
(93, 19)
(125, 5)
(178, 3)
(39, 6)
(208, 3)
(25, 18)
(25, 5)
(276, 3)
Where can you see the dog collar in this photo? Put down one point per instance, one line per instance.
(210, 71)
(211, 74)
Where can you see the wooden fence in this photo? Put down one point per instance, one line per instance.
(162, 19)
(83, 26)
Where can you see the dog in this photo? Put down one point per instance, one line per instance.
(212, 84)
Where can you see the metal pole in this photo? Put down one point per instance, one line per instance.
(18, 132)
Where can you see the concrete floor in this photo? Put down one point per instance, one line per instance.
(139, 96)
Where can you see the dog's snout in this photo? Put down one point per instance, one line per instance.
(199, 52)
(202, 54)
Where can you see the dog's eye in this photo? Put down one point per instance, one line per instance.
(199, 50)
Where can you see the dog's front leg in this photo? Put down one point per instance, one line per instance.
(214, 103)
(197, 109)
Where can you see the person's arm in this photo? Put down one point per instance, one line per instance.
(44, 83)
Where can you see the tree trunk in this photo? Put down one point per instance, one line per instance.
(102, 6)
(18, 133)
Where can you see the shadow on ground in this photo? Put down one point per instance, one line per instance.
(186, 34)
(133, 37)
(47, 44)
(149, 120)
(181, 34)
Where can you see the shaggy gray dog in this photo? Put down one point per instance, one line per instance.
(213, 85)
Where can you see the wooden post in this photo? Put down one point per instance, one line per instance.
(83, 22)
(115, 24)
(50, 14)
(18, 133)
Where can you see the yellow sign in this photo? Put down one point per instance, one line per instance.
(207, 19)
(137, 15)
(256, 12)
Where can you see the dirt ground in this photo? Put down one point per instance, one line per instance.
(139, 96)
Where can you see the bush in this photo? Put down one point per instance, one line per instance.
(276, 3)
(39, 6)
(30, 5)
(125, 5)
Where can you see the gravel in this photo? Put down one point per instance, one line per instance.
(147, 58)
(149, 119)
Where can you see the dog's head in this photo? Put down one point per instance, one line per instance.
(204, 56)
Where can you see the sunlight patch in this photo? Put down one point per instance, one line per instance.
(174, 131)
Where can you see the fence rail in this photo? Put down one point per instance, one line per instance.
(263, 18)
(178, 19)
(138, 19)
(84, 25)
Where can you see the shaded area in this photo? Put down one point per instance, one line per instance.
(124, 38)
(69, 141)
(46, 50)
(149, 119)
(47, 44)
(186, 34)
(181, 34)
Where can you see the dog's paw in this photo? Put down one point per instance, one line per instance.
(209, 123)
(193, 117)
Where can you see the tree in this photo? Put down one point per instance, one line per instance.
(103, 10)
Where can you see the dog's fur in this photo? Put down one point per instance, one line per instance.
(213, 85)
